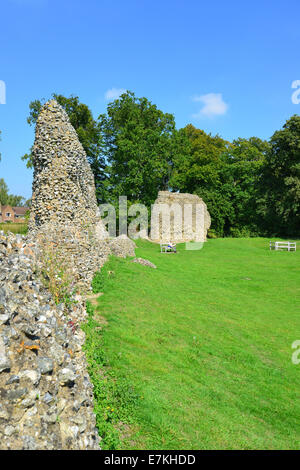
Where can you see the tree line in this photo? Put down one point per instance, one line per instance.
(7, 199)
(251, 186)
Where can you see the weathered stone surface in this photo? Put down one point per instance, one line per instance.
(46, 397)
(144, 262)
(184, 228)
(64, 217)
(63, 187)
(45, 364)
(122, 246)
(5, 363)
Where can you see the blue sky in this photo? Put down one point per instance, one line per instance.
(226, 67)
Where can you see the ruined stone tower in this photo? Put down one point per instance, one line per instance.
(64, 208)
(63, 185)
(186, 218)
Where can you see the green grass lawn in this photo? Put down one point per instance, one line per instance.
(14, 228)
(196, 354)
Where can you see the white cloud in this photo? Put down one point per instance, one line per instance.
(214, 105)
(114, 93)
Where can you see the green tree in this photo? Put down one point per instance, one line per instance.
(138, 146)
(87, 130)
(9, 199)
(225, 175)
(3, 192)
(239, 176)
(197, 167)
(280, 182)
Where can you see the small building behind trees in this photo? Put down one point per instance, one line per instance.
(13, 214)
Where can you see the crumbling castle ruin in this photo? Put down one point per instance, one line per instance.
(64, 212)
(46, 396)
(179, 217)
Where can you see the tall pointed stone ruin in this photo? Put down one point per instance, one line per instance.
(64, 214)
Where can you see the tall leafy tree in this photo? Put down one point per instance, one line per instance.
(198, 165)
(239, 175)
(138, 146)
(3, 192)
(280, 181)
(225, 175)
(9, 199)
(197, 168)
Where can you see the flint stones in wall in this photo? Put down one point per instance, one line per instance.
(63, 186)
(64, 209)
(144, 262)
(46, 397)
(122, 246)
(179, 217)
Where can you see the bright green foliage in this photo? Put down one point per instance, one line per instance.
(3, 192)
(280, 182)
(205, 343)
(225, 175)
(115, 399)
(239, 178)
(197, 170)
(9, 199)
(198, 166)
(138, 147)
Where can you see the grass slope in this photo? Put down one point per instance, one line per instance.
(197, 353)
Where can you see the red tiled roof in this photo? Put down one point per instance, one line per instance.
(4, 208)
(20, 210)
(16, 210)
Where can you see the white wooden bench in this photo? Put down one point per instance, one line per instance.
(164, 248)
(289, 246)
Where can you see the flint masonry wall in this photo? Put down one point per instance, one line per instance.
(46, 397)
(64, 213)
(45, 390)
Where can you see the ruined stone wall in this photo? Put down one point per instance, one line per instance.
(64, 209)
(46, 397)
(63, 183)
(182, 229)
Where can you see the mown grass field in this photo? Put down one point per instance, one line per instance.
(196, 354)
(14, 228)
